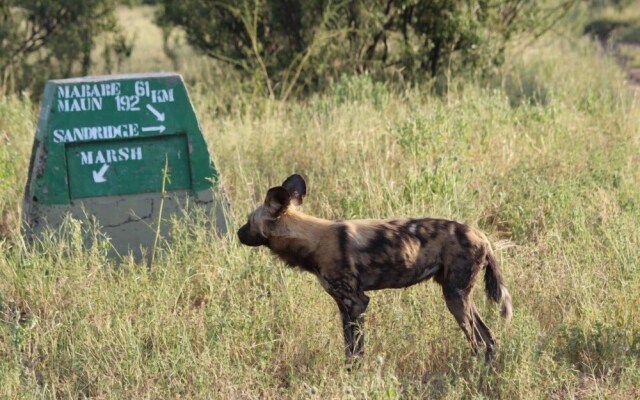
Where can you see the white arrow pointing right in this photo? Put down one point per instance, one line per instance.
(159, 129)
(98, 177)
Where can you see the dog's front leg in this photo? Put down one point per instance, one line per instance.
(352, 306)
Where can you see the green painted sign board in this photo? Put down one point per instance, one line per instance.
(124, 138)
(123, 164)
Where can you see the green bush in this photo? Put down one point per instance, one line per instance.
(605, 27)
(293, 45)
(51, 39)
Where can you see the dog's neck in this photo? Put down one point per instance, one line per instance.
(296, 239)
(298, 227)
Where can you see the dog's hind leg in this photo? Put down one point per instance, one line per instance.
(460, 306)
(485, 333)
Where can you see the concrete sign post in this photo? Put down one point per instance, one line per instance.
(107, 146)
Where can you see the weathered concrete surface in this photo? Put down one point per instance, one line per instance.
(130, 221)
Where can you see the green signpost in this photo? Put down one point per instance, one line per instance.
(108, 146)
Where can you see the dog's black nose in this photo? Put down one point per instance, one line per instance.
(246, 238)
(242, 234)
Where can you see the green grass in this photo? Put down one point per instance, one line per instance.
(546, 160)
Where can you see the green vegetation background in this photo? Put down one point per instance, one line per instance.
(544, 156)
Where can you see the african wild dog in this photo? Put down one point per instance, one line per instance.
(351, 257)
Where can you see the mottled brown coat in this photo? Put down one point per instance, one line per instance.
(351, 257)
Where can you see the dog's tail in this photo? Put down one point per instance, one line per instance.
(494, 286)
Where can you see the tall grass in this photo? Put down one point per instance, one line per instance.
(546, 160)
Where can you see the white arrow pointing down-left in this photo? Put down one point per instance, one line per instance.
(98, 177)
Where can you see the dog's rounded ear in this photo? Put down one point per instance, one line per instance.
(296, 187)
(278, 198)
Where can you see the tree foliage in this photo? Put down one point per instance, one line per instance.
(284, 43)
(40, 39)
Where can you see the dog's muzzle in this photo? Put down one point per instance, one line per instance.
(246, 238)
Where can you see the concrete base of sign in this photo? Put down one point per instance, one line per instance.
(131, 221)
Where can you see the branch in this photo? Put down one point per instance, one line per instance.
(389, 11)
(40, 33)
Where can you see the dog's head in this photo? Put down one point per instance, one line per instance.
(263, 220)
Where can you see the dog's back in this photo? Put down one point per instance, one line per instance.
(402, 252)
